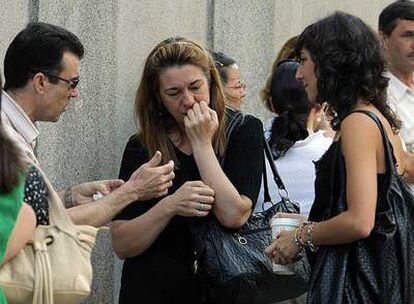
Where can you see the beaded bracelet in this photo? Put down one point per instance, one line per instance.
(297, 239)
(300, 232)
(309, 240)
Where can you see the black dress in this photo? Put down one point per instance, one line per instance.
(164, 272)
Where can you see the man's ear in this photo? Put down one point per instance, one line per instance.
(39, 82)
(383, 40)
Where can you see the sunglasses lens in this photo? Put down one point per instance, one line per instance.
(75, 82)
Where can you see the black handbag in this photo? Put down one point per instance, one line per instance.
(379, 268)
(232, 264)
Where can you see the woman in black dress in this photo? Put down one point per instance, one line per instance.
(180, 107)
(362, 216)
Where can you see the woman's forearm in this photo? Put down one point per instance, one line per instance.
(231, 209)
(133, 237)
(341, 229)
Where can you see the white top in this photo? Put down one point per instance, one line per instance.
(297, 171)
(18, 125)
(401, 99)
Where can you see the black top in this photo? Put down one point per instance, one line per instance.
(164, 272)
(328, 189)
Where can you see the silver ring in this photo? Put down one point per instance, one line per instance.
(202, 207)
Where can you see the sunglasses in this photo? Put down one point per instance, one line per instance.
(284, 61)
(72, 82)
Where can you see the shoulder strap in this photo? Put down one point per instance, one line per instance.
(234, 121)
(283, 193)
(276, 177)
(391, 171)
(387, 145)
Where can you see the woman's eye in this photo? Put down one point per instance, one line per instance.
(195, 88)
(173, 94)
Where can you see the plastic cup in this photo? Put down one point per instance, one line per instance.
(279, 224)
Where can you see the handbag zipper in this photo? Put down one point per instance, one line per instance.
(242, 240)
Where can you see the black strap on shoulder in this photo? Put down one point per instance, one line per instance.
(234, 121)
(283, 193)
(389, 156)
(387, 145)
(276, 177)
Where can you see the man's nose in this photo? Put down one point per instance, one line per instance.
(74, 93)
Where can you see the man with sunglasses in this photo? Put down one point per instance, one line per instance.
(41, 69)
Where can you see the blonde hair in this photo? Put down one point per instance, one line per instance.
(154, 120)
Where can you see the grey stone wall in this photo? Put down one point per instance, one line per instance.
(87, 143)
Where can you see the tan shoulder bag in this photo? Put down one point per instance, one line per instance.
(55, 266)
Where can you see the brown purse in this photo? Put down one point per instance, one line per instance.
(55, 265)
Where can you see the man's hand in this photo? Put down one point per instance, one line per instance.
(83, 193)
(151, 180)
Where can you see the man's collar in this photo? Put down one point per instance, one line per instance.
(396, 87)
(19, 119)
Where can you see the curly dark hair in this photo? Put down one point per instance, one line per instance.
(290, 102)
(349, 64)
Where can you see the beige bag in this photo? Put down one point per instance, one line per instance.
(55, 266)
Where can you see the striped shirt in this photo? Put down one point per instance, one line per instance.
(18, 125)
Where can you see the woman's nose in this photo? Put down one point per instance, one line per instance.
(298, 75)
(187, 100)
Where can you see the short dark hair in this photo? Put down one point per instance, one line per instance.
(390, 15)
(290, 102)
(38, 48)
(222, 63)
(350, 65)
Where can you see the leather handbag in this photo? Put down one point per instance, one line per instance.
(379, 268)
(232, 264)
(55, 265)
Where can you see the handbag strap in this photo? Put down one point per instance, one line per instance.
(389, 156)
(276, 176)
(58, 215)
(385, 140)
(234, 121)
(282, 190)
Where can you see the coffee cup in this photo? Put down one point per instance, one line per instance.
(279, 224)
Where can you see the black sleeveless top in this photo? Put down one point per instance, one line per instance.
(327, 187)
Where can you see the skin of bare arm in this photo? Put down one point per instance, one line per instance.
(230, 208)
(148, 181)
(22, 231)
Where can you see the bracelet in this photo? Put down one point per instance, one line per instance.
(310, 244)
(68, 199)
(297, 239)
(300, 232)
